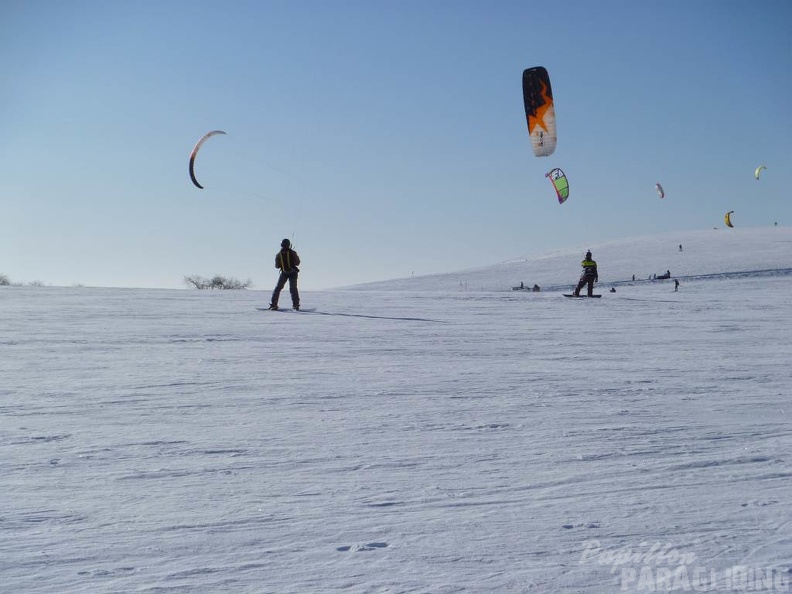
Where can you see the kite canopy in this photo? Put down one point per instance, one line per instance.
(758, 171)
(194, 153)
(727, 218)
(560, 183)
(660, 191)
(539, 110)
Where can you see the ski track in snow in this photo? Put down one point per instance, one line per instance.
(176, 441)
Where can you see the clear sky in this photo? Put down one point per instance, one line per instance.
(384, 138)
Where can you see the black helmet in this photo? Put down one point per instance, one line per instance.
(588, 255)
(285, 243)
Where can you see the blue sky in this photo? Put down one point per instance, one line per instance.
(384, 138)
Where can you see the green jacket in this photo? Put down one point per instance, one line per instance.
(589, 269)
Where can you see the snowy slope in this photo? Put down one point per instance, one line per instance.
(706, 252)
(404, 441)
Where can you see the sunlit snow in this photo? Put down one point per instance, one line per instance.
(434, 434)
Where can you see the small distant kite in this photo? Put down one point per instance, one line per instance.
(727, 218)
(560, 183)
(660, 191)
(539, 110)
(194, 153)
(758, 171)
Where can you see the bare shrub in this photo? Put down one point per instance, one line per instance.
(216, 282)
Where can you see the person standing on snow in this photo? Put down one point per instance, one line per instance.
(589, 275)
(287, 261)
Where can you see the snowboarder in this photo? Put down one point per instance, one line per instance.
(286, 260)
(676, 285)
(589, 275)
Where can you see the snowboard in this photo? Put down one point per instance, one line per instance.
(288, 309)
(581, 296)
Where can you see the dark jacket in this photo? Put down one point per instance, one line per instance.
(287, 261)
(589, 269)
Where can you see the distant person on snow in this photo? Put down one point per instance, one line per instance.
(676, 285)
(286, 260)
(589, 275)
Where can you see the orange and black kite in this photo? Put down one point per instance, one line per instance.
(539, 110)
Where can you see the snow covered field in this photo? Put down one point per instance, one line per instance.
(412, 437)
(704, 254)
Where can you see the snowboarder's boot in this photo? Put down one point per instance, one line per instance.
(273, 306)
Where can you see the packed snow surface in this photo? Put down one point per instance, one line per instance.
(428, 440)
